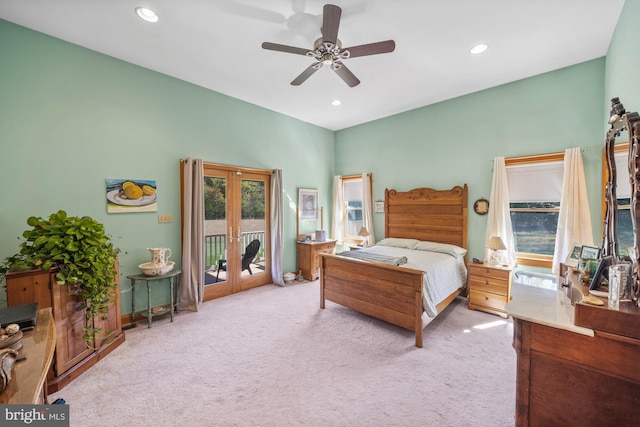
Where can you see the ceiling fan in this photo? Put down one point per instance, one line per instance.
(327, 50)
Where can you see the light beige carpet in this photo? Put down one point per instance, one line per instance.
(271, 357)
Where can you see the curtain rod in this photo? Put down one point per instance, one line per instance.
(538, 158)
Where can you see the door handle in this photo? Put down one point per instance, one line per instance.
(239, 237)
(230, 235)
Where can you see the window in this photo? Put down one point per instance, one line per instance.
(352, 203)
(535, 191)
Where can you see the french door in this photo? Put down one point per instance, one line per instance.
(237, 202)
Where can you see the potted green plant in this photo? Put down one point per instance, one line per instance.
(82, 254)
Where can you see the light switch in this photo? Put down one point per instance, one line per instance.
(164, 218)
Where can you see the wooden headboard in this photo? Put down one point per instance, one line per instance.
(427, 214)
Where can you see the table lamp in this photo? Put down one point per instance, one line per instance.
(364, 233)
(495, 244)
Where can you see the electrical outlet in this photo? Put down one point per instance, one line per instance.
(165, 218)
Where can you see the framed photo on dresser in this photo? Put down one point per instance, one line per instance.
(590, 252)
(573, 256)
(601, 273)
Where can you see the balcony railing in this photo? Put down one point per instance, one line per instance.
(215, 246)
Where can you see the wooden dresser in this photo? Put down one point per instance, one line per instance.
(489, 288)
(309, 257)
(573, 369)
(27, 385)
(72, 357)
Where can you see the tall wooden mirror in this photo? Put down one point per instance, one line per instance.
(621, 121)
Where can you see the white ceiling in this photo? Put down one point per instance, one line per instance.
(216, 44)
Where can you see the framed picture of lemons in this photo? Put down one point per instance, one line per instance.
(131, 195)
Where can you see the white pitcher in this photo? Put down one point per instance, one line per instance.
(159, 256)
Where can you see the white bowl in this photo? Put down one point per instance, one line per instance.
(151, 269)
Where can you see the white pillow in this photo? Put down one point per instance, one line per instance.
(398, 242)
(453, 250)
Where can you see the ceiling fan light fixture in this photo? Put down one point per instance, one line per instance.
(327, 59)
(146, 14)
(479, 48)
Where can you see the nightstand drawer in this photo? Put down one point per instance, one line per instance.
(487, 299)
(489, 284)
(484, 271)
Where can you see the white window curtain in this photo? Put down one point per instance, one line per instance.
(337, 229)
(498, 218)
(277, 229)
(367, 209)
(574, 221)
(192, 280)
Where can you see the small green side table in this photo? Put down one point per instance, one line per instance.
(174, 281)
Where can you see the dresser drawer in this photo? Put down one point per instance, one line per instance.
(489, 284)
(324, 249)
(496, 273)
(487, 299)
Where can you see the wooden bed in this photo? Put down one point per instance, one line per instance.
(387, 292)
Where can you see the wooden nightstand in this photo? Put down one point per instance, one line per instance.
(309, 257)
(489, 288)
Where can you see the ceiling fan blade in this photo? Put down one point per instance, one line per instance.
(345, 74)
(330, 23)
(305, 74)
(284, 48)
(371, 48)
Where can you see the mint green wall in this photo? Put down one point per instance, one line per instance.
(71, 118)
(454, 142)
(623, 62)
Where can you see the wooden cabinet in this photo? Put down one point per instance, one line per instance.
(309, 257)
(489, 288)
(72, 357)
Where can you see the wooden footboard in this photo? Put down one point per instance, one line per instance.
(386, 292)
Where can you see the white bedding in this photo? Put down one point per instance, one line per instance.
(443, 273)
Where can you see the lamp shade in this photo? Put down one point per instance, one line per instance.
(363, 232)
(496, 243)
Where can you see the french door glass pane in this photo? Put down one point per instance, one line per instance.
(253, 225)
(215, 225)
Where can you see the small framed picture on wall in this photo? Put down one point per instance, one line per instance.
(308, 204)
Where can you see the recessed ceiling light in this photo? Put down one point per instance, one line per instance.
(479, 48)
(147, 14)
(336, 102)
